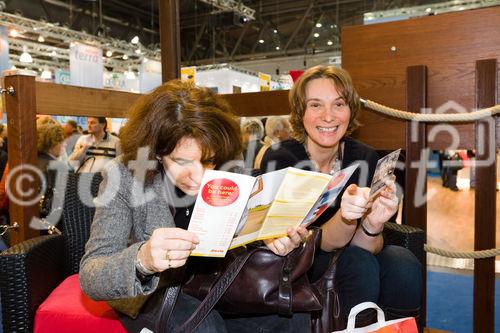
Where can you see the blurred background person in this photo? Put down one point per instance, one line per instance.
(71, 135)
(252, 132)
(94, 150)
(277, 130)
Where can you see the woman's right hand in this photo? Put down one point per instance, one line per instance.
(167, 248)
(354, 203)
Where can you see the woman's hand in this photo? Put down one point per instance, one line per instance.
(383, 207)
(284, 245)
(167, 248)
(354, 203)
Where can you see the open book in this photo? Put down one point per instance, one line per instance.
(232, 210)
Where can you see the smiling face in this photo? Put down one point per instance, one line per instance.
(326, 117)
(184, 167)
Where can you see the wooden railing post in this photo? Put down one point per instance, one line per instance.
(415, 212)
(170, 39)
(485, 199)
(23, 184)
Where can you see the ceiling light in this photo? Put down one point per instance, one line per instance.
(53, 53)
(46, 74)
(41, 39)
(316, 35)
(318, 25)
(138, 51)
(277, 48)
(329, 43)
(135, 40)
(25, 56)
(13, 33)
(275, 31)
(125, 57)
(261, 41)
(109, 53)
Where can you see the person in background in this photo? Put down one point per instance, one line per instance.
(50, 143)
(71, 135)
(277, 130)
(134, 240)
(252, 132)
(324, 107)
(92, 151)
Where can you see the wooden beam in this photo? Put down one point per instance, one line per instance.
(485, 200)
(377, 56)
(415, 202)
(22, 138)
(264, 103)
(58, 99)
(170, 39)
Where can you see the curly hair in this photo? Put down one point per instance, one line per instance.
(49, 134)
(297, 97)
(176, 110)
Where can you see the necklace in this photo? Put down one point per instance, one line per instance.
(335, 163)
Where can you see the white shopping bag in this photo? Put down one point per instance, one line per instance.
(404, 325)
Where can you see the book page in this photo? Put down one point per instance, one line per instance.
(218, 209)
(265, 189)
(328, 198)
(298, 192)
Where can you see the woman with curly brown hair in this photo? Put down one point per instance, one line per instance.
(147, 195)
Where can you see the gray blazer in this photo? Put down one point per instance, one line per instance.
(126, 216)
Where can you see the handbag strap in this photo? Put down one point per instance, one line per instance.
(285, 289)
(208, 303)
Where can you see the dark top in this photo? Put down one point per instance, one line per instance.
(250, 152)
(292, 153)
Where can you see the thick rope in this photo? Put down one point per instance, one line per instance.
(465, 255)
(433, 117)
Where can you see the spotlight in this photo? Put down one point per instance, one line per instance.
(135, 40)
(109, 53)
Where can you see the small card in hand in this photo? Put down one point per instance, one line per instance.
(385, 170)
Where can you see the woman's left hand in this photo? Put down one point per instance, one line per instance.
(284, 245)
(384, 206)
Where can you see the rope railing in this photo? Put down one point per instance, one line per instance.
(463, 255)
(432, 117)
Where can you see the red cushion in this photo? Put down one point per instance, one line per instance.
(68, 309)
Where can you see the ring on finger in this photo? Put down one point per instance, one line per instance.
(167, 255)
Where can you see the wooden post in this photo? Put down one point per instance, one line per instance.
(21, 129)
(416, 142)
(485, 200)
(170, 39)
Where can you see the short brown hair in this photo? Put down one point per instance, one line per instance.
(175, 110)
(49, 134)
(297, 97)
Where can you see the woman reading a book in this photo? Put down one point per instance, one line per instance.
(324, 109)
(145, 201)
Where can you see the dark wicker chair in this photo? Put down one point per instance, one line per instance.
(31, 270)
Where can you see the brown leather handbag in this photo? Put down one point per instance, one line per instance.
(251, 281)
